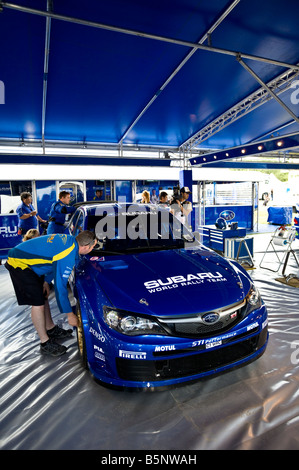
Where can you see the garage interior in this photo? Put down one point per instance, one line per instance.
(165, 85)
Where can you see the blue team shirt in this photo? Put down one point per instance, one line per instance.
(26, 224)
(54, 257)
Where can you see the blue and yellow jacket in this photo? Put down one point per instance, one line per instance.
(54, 257)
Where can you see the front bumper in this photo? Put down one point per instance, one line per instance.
(165, 361)
(190, 367)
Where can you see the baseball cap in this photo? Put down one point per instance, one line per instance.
(185, 189)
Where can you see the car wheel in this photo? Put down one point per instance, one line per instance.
(81, 338)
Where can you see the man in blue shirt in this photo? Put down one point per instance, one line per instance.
(27, 214)
(36, 262)
(58, 212)
(99, 195)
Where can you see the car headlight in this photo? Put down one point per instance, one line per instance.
(254, 300)
(131, 324)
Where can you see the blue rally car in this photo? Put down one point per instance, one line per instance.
(157, 308)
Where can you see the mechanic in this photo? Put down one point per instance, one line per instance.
(28, 216)
(58, 212)
(180, 207)
(32, 265)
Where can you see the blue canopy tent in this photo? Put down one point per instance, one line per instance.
(151, 73)
(196, 77)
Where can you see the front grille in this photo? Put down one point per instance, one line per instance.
(199, 328)
(143, 370)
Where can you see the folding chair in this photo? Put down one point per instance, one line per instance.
(282, 237)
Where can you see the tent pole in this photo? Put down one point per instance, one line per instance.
(131, 32)
(181, 64)
(46, 66)
(246, 67)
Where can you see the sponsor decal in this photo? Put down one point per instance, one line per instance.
(165, 348)
(97, 334)
(67, 272)
(6, 232)
(254, 325)
(213, 344)
(132, 354)
(138, 212)
(199, 342)
(202, 342)
(99, 353)
(50, 239)
(172, 282)
(63, 238)
(265, 323)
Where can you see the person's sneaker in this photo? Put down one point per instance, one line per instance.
(59, 333)
(52, 349)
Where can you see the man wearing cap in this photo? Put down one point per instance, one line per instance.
(181, 207)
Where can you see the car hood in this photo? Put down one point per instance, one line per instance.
(169, 282)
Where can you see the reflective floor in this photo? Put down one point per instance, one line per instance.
(49, 403)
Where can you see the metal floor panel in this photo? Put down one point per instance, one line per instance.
(52, 403)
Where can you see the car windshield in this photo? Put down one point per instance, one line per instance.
(137, 230)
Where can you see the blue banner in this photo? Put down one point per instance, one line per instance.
(8, 233)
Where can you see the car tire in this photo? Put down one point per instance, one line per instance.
(81, 338)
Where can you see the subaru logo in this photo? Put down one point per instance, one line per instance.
(210, 318)
(227, 215)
